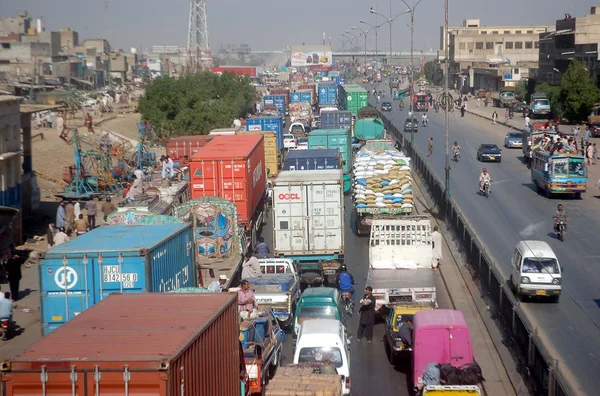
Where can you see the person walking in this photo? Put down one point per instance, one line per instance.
(13, 267)
(89, 123)
(60, 215)
(77, 209)
(589, 149)
(494, 117)
(367, 316)
(430, 147)
(594, 154)
(436, 239)
(107, 208)
(69, 216)
(92, 210)
(506, 116)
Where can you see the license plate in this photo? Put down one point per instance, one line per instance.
(518, 144)
(492, 158)
(540, 292)
(329, 272)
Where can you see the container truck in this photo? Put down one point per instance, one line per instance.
(336, 119)
(178, 147)
(233, 168)
(308, 222)
(352, 97)
(328, 94)
(277, 101)
(332, 139)
(121, 258)
(311, 159)
(136, 344)
(272, 154)
(540, 105)
(369, 129)
(299, 96)
(275, 124)
(301, 112)
(312, 88)
(282, 91)
(222, 131)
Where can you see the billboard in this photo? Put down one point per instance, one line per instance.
(316, 55)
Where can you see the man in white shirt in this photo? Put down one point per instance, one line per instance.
(60, 237)
(217, 286)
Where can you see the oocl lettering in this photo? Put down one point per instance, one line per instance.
(257, 174)
(289, 197)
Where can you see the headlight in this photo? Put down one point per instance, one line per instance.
(525, 279)
(556, 281)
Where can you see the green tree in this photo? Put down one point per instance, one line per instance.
(521, 90)
(578, 92)
(554, 95)
(195, 104)
(429, 70)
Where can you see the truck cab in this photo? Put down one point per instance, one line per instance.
(318, 303)
(540, 105)
(398, 317)
(535, 271)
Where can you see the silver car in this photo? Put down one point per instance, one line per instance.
(513, 140)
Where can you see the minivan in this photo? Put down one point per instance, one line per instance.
(535, 271)
(325, 339)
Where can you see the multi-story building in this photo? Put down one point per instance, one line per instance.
(574, 38)
(10, 165)
(20, 24)
(68, 38)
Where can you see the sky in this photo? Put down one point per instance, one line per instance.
(275, 24)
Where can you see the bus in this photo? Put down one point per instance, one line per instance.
(558, 173)
(532, 140)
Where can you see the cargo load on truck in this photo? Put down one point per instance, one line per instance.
(301, 112)
(336, 119)
(382, 183)
(272, 154)
(179, 147)
(279, 101)
(122, 258)
(312, 159)
(136, 342)
(369, 129)
(400, 257)
(275, 124)
(328, 93)
(309, 379)
(332, 139)
(308, 222)
(353, 97)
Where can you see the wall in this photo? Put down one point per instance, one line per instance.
(51, 38)
(68, 38)
(15, 24)
(10, 156)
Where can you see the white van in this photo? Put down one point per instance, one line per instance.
(535, 271)
(325, 339)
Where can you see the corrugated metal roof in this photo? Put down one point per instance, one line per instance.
(131, 327)
(228, 147)
(118, 238)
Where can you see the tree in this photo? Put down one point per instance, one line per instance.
(578, 92)
(521, 90)
(554, 95)
(429, 70)
(195, 104)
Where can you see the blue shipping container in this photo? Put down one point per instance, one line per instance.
(277, 101)
(337, 119)
(267, 124)
(327, 94)
(301, 97)
(317, 159)
(119, 258)
(339, 80)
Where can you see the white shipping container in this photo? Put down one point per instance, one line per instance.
(308, 216)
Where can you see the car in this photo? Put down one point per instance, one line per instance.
(386, 106)
(411, 125)
(289, 141)
(513, 140)
(481, 93)
(595, 129)
(302, 143)
(399, 315)
(489, 152)
(518, 107)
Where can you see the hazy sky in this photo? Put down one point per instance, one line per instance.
(273, 24)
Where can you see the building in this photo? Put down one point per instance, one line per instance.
(91, 47)
(45, 37)
(19, 59)
(574, 38)
(19, 24)
(10, 160)
(68, 38)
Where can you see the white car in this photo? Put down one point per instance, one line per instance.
(289, 141)
(535, 271)
(325, 339)
(302, 144)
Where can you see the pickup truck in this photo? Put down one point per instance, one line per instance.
(262, 340)
(304, 377)
(540, 105)
(278, 288)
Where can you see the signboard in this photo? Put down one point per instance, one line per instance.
(311, 56)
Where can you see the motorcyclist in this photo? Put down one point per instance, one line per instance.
(455, 149)
(424, 119)
(6, 310)
(560, 216)
(484, 177)
(345, 281)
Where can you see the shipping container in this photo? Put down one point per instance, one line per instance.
(237, 70)
(353, 97)
(255, 124)
(369, 129)
(282, 91)
(136, 344)
(308, 212)
(233, 167)
(272, 155)
(177, 147)
(312, 87)
(277, 101)
(332, 139)
(324, 159)
(337, 119)
(222, 131)
(333, 73)
(328, 94)
(339, 80)
(301, 97)
(120, 258)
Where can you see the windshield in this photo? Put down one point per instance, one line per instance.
(515, 135)
(505, 94)
(533, 265)
(542, 102)
(297, 128)
(317, 313)
(321, 354)
(565, 167)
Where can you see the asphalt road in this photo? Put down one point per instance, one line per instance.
(370, 370)
(570, 330)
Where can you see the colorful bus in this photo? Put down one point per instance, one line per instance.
(558, 173)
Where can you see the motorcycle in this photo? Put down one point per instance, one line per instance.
(425, 122)
(5, 323)
(486, 189)
(456, 155)
(560, 232)
(401, 106)
(348, 305)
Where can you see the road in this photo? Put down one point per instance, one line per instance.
(570, 330)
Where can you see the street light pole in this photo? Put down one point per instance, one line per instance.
(365, 56)
(376, 51)
(447, 54)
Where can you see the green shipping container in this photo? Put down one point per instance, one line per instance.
(353, 97)
(332, 139)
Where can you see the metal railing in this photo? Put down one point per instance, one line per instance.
(538, 368)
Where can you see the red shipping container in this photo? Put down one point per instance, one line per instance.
(186, 145)
(282, 91)
(149, 343)
(232, 167)
(240, 71)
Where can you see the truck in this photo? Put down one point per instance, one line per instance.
(397, 198)
(278, 101)
(319, 378)
(82, 272)
(311, 159)
(272, 154)
(233, 167)
(275, 124)
(505, 98)
(301, 96)
(352, 97)
(328, 94)
(332, 139)
(308, 222)
(336, 119)
(262, 340)
(400, 257)
(301, 112)
(72, 360)
(540, 105)
(181, 146)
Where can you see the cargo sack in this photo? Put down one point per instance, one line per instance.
(449, 375)
(431, 374)
(470, 374)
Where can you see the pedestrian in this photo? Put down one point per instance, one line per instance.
(494, 117)
(217, 286)
(81, 225)
(69, 216)
(60, 214)
(77, 209)
(575, 131)
(60, 237)
(430, 147)
(167, 167)
(594, 154)
(262, 249)
(436, 239)
(506, 116)
(367, 316)
(587, 135)
(60, 123)
(50, 234)
(589, 150)
(90, 123)
(13, 267)
(107, 208)
(92, 210)
(251, 267)
(478, 102)
(245, 297)
(463, 108)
